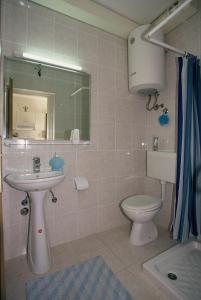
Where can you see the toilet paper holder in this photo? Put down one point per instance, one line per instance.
(81, 183)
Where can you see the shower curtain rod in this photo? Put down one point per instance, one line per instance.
(148, 36)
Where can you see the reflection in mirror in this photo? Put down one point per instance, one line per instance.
(44, 102)
(33, 114)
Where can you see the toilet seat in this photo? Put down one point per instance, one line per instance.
(141, 203)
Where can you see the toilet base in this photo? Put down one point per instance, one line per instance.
(143, 233)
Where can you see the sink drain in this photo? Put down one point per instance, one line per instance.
(172, 276)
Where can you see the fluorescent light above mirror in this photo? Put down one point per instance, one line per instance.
(50, 61)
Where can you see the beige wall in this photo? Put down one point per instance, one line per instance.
(114, 163)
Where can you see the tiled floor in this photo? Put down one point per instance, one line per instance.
(113, 245)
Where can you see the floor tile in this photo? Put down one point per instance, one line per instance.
(112, 261)
(138, 286)
(113, 245)
(85, 244)
(128, 253)
(114, 235)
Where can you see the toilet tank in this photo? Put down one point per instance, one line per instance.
(161, 165)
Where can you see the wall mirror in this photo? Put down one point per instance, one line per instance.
(44, 102)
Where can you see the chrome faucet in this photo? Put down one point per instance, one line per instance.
(36, 164)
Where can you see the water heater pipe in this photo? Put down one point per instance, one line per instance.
(163, 183)
(148, 35)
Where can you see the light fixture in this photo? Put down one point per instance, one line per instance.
(50, 61)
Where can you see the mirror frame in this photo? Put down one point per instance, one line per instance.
(15, 141)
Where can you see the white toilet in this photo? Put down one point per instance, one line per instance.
(141, 209)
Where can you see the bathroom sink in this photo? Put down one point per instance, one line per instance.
(37, 186)
(29, 182)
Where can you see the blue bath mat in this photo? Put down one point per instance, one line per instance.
(90, 280)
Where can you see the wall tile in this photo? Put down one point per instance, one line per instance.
(139, 163)
(51, 233)
(16, 161)
(87, 47)
(40, 37)
(152, 187)
(14, 23)
(12, 206)
(106, 108)
(67, 198)
(87, 221)
(106, 81)
(128, 186)
(121, 63)
(163, 218)
(124, 110)
(50, 207)
(94, 109)
(124, 136)
(106, 136)
(66, 42)
(19, 244)
(69, 163)
(106, 163)
(106, 49)
(66, 228)
(91, 68)
(139, 140)
(124, 163)
(88, 164)
(88, 198)
(139, 112)
(121, 84)
(106, 191)
(104, 56)
(110, 216)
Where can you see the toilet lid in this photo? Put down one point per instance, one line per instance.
(141, 202)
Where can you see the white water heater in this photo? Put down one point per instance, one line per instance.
(146, 63)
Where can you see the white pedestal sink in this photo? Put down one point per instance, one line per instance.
(37, 186)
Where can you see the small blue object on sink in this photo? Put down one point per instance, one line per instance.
(56, 163)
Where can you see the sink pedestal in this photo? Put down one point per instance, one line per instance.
(38, 253)
(36, 185)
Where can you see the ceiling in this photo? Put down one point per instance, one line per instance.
(119, 17)
(139, 11)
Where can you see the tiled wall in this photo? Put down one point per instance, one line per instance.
(187, 37)
(114, 163)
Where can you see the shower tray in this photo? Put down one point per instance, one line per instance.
(177, 271)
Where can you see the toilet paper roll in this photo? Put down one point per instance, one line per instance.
(81, 183)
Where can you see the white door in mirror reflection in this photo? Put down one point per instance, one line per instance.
(33, 114)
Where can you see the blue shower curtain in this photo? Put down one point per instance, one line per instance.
(188, 185)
